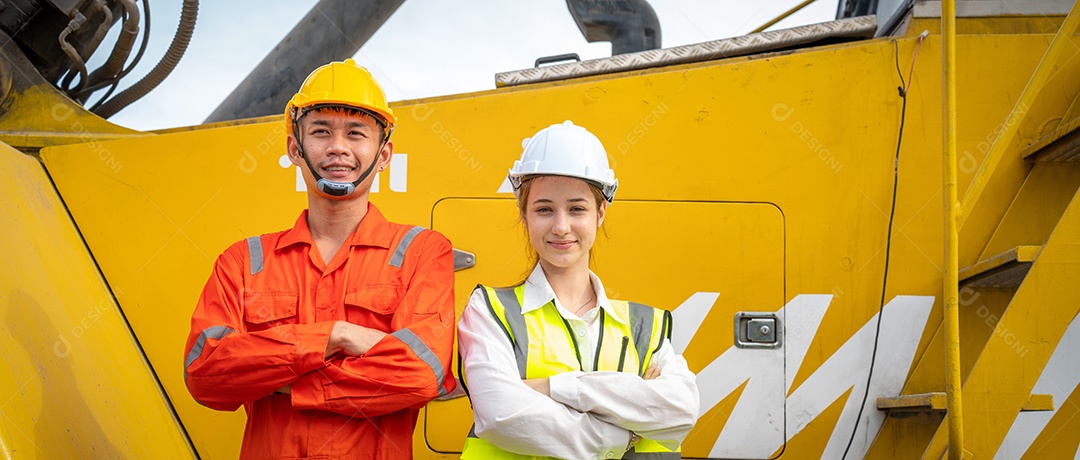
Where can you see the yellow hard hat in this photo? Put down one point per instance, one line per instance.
(342, 83)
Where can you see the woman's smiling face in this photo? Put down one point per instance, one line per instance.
(562, 215)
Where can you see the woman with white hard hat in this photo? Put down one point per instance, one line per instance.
(553, 367)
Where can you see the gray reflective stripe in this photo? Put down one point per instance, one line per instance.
(641, 319)
(512, 310)
(255, 252)
(421, 349)
(651, 455)
(212, 332)
(491, 310)
(403, 245)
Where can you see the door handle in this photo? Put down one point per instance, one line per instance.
(758, 330)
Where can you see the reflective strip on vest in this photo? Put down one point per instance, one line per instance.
(646, 326)
(255, 253)
(421, 349)
(212, 332)
(403, 245)
(641, 326)
(638, 454)
(512, 308)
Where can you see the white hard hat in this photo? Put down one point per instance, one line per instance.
(565, 150)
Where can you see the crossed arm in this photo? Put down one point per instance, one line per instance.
(582, 414)
(333, 366)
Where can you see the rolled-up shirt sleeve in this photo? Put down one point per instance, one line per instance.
(515, 417)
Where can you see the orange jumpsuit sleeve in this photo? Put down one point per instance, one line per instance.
(225, 365)
(408, 367)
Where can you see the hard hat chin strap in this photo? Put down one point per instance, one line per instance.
(327, 186)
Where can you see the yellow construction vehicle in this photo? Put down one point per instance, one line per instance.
(785, 194)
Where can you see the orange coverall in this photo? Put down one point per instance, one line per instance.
(264, 319)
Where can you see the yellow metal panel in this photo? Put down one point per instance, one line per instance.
(736, 251)
(811, 441)
(41, 116)
(1056, 72)
(157, 220)
(1038, 205)
(1058, 439)
(75, 383)
(1035, 320)
(812, 131)
(990, 25)
(905, 434)
(702, 437)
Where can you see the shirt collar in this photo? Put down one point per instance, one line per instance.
(373, 231)
(538, 292)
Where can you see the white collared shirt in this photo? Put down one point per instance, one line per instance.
(589, 414)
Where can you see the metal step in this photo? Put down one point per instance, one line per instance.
(1063, 144)
(935, 402)
(1007, 269)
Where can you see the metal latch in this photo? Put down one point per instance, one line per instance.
(463, 260)
(757, 330)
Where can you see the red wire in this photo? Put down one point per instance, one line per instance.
(912, 69)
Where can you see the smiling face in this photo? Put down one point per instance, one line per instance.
(562, 215)
(340, 145)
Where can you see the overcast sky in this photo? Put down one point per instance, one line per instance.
(427, 48)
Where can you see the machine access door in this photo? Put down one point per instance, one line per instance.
(719, 267)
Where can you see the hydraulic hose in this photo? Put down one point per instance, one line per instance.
(83, 95)
(102, 29)
(162, 69)
(123, 46)
(75, 24)
(80, 60)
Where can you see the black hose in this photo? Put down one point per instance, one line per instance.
(162, 69)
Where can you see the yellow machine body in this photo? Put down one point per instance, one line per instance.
(756, 185)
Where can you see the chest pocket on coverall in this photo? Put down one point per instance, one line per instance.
(373, 305)
(264, 310)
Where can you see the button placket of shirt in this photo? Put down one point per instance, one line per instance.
(325, 300)
(584, 343)
(330, 303)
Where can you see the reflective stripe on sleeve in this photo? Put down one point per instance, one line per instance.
(512, 310)
(212, 332)
(421, 349)
(403, 245)
(255, 252)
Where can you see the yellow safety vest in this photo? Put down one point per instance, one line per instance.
(622, 347)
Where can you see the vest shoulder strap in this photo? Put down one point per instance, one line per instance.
(648, 327)
(504, 305)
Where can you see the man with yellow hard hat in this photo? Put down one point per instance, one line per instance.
(331, 334)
